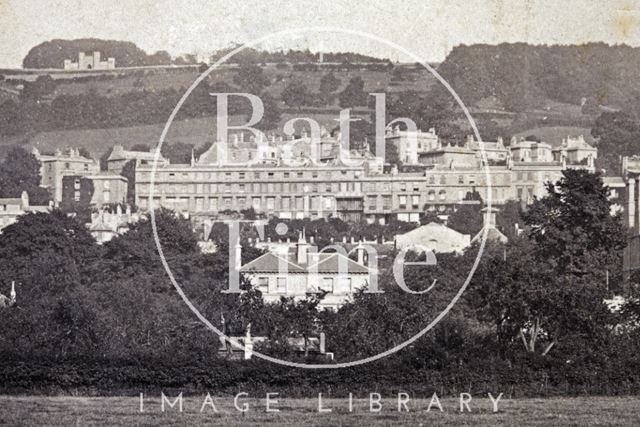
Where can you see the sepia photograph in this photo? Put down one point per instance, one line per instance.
(320, 213)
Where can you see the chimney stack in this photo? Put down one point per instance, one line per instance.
(302, 249)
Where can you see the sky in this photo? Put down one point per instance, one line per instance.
(426, 28)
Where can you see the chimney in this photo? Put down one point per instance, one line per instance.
(248, 343)
(489, 217)
(302, 249)
(12, 295)
(238, 260)
(360, 253)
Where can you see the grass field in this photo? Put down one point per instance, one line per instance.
(124, 411)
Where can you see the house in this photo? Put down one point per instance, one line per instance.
(301, 271)
(437, 237)
(105, 188)
(493, 234)
(119, 157)
(12, 208)
(54, 167)
(106, 225)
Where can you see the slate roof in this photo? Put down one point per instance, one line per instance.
(328, 263)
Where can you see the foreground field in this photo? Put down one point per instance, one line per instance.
(125, 411)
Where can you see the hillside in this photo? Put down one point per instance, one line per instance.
(51, 54)
(523, 76)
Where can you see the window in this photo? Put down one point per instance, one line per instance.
(327, 284)
(442, 194)
(300, 174)
(432, 195)
(372, 202)
(386, 202)
(241, 175)
(345, 285)
(415, 201)
(460, 179)
(86, 166)
(241, 188)
(281, 285)
(286, 174)
(263, 284)
(106, 185)
(402, 201)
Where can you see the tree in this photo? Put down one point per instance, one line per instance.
(20, 172)
(573, 227)
(250, 78)
(329, 83)
(353, 94)
(547, 289)
(271, 117)
(618, 134)
(296, 94)
(467, 217)
(46, 252)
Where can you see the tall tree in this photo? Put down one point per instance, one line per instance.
(20, 172)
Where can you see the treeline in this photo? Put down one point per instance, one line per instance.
(521, 75)
(291, 56)
(51, 54)
(533, 320)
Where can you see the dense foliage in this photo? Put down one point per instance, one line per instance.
(109, 317)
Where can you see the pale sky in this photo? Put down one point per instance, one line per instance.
(428, 28)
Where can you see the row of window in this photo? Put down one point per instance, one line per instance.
(326, 284)
(232, 176)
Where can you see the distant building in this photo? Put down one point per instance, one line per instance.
(575, 151)
(410, 144)
(12, 208)
(279, 178)
(303, 271)
(94, 190)
(495, 151)
(120, 157)
(493, 234)
(631, 256)
(437, 237)
(90, 62)
(106, 225)
(54, 167)
(450, 157)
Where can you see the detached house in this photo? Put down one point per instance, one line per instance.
(300, 270)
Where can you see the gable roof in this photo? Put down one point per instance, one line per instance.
(328, 263)
(268, 263)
